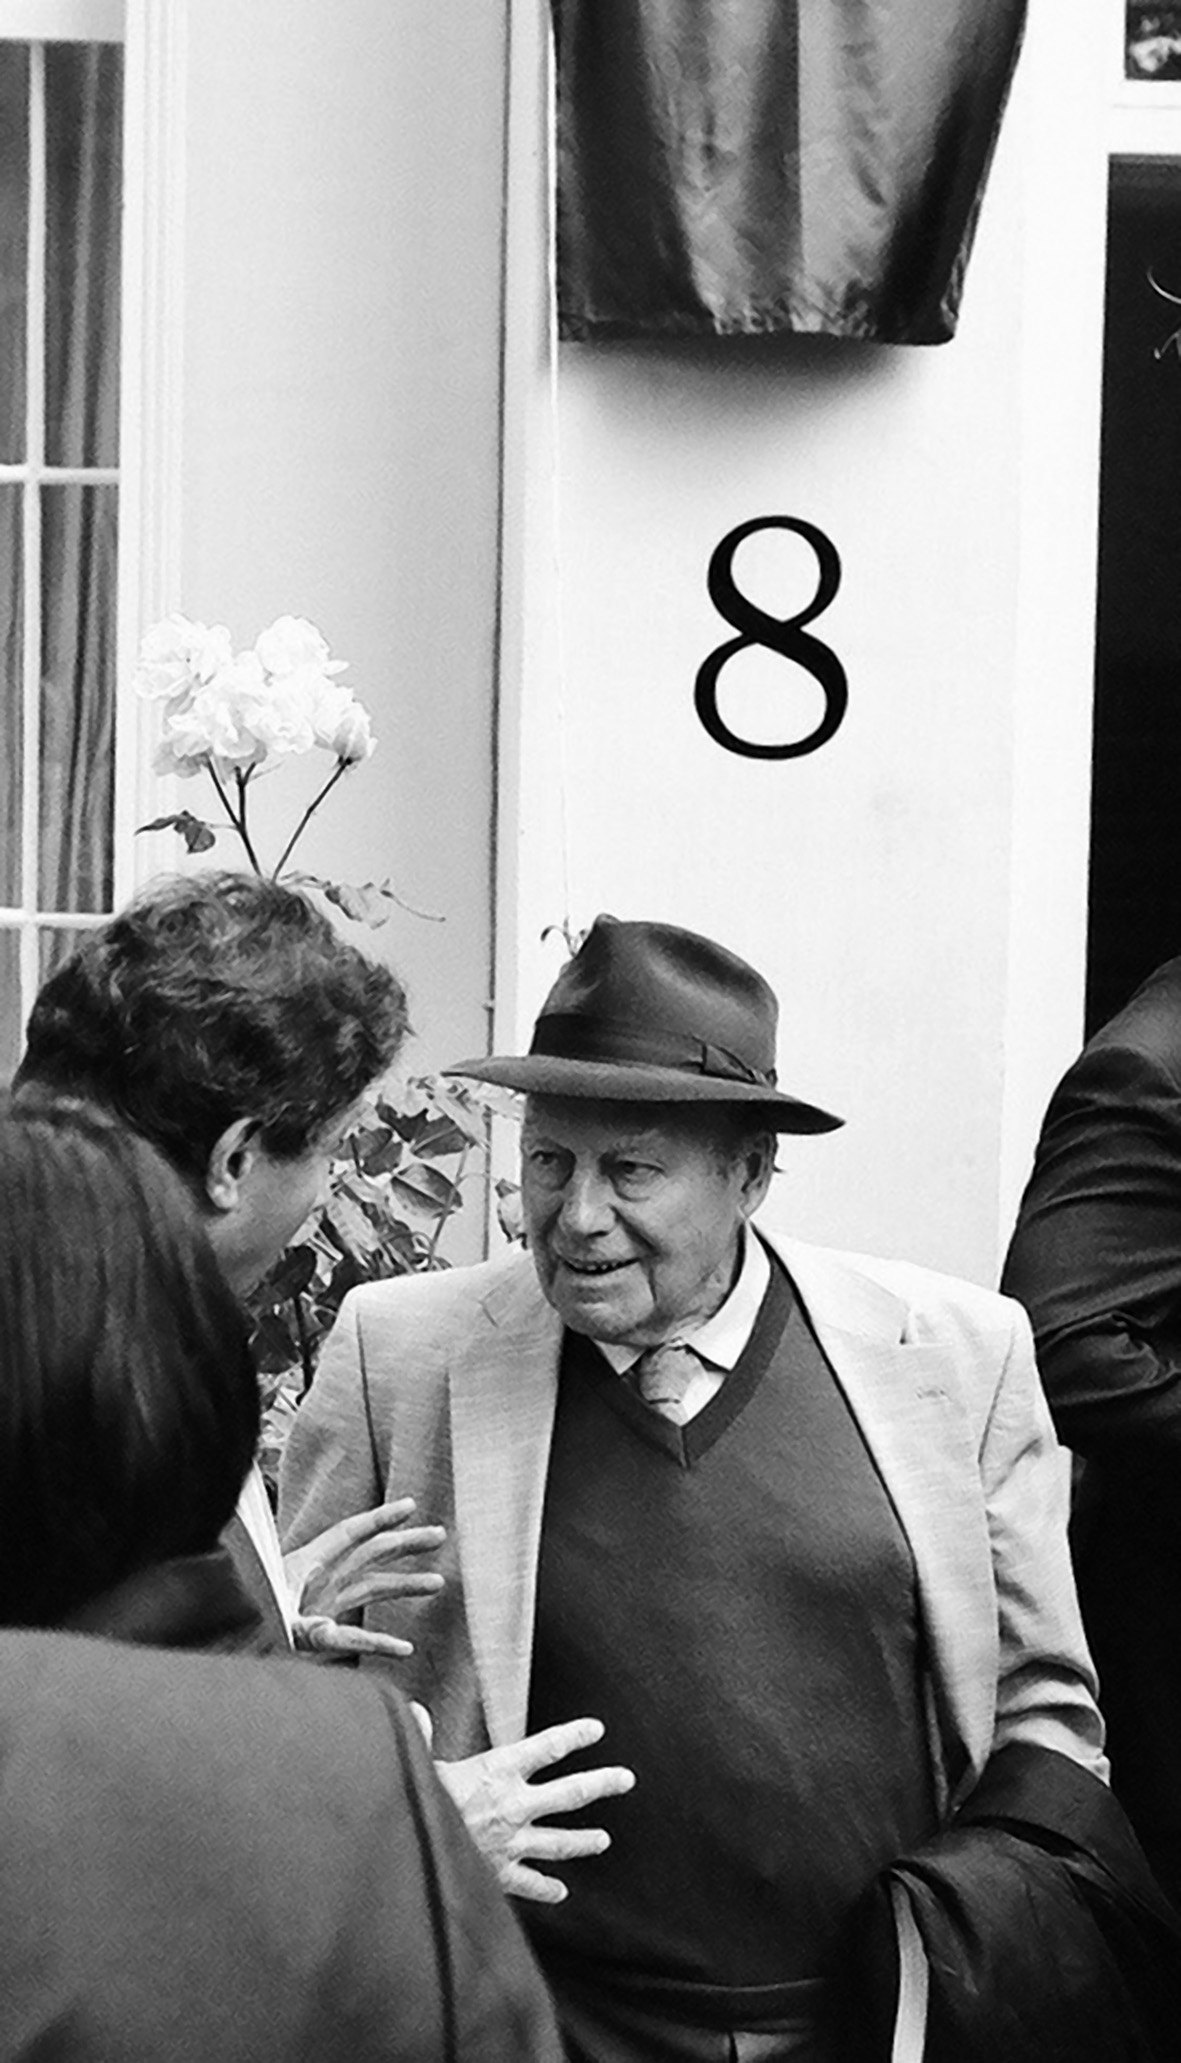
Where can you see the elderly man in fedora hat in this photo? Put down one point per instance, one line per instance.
(787, 1529)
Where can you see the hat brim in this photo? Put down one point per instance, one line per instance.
(542, 1074)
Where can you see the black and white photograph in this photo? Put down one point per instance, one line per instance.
(590, 1031)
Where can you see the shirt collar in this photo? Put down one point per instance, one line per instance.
(722, 1338)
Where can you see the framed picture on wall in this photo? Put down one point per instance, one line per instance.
(1152, 42)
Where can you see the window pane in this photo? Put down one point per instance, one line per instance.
(55, 943)
(14, 246)
(11, 662)
(83, 101)
(11, 1024)
(79, 533)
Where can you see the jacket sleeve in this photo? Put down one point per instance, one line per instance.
(1096, 1255)
(1046, 1685)
(331, 1467)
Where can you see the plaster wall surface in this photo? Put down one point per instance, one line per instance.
(341, 439)
(915, 889)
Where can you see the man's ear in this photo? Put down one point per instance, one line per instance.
(758, 1168)
(229, 1164)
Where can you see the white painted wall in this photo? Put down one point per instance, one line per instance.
(342, 281)
(916, 890)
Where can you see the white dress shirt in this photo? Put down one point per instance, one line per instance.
(720, 1340)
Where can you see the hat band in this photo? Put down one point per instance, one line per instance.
(569, 1035)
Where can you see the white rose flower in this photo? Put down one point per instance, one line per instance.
(352, 739)
(178, 656)
(291, 645)
(221, 721)
(282, 718)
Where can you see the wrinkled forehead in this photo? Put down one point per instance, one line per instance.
(607, 1126)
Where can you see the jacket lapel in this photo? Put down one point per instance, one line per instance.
(905, 1396)
(503, 1392)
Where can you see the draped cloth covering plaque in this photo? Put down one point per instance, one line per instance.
(742, 167)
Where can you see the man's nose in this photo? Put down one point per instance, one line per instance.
(586, 1205)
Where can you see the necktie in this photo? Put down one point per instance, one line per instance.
(662, 1375)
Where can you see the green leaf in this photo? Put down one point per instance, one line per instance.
(275, 1346)
(364, 903)
(382, 1155)
(197, 834)
(348, 1224)
(425, 1189)
(440, 1138)
(456, 1101)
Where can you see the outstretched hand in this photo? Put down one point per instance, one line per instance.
(353, 1564)
(501, 1806)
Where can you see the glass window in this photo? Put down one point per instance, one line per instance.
(60, 206)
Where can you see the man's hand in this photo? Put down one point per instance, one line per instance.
(501, 1806)
(351, 1565)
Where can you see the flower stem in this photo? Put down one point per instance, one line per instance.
(238, 821)
(241, 779)
(307, 816)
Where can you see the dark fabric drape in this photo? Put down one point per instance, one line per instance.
(750, 166)
(1045, 1936)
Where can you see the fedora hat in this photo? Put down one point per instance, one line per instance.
(648, 1013)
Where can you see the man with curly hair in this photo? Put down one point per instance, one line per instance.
(225, 1019)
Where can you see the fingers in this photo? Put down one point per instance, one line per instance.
(523, 1882)
(553, 1744)
(386, 1546)
(382, 1587)
(586, 1787)
(325, 1637)
(363, 1524)
(561, 1844)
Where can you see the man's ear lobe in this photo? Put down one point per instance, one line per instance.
(229, 1162)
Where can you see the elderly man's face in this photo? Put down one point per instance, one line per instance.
(633, 1215)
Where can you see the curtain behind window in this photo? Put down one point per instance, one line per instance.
(76, 574)
(83, 93)
(752, 166)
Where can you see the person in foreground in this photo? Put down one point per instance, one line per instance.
(1096, 1259)
(790, 1526)
(227, 1857)
(199, 1857)
(129, 1404)
(224, 1019)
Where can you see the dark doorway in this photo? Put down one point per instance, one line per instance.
(1135, 878)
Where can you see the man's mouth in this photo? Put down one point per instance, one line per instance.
(591, 1267)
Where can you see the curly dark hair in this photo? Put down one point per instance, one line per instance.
(128, 1401)
(213, 997)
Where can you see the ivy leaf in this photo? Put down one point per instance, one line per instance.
(348, 1227)
(276, 1348)
(364, 903)
(295, 1272)
(440, 1138)
(381, 1153)
(454, 1100)
(197, 834)
(425, 1189)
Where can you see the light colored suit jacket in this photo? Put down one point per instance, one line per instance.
(443, 1387)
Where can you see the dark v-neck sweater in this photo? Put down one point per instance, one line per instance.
(735, 1599)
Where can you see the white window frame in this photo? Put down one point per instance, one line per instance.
(148, 470)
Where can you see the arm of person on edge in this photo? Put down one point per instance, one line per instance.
(1096, 1254)
(501, 1806)
(354, 1564)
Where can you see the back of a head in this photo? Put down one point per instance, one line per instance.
(128, 1400)
(213, 997)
